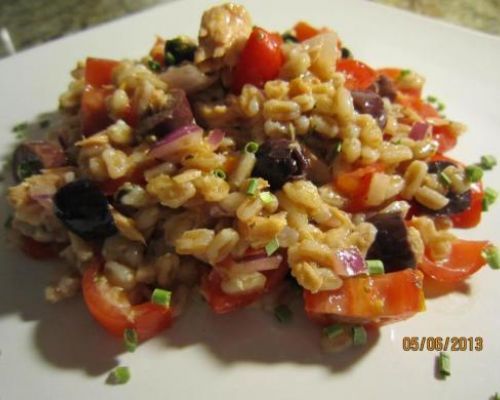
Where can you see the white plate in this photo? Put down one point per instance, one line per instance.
(58, 352)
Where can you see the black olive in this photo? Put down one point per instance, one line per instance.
(384, 87)
(280, 161)
(458, 203)
(179, 49)
(32, 156)
(83, 209)
(368, 102)
(391, 244)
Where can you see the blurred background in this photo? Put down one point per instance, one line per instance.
(27, 23)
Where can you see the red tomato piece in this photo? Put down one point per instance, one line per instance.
(355, 185)
(222, 303)
(464, 260)
(94, 114)
(472, 216)
(38, 250)
(98, 71)
(359, 76)
(369, 299)
(425, 110)
(445, 137)
(111, 308)
(394, 74)
(304, 31)
(260, 60)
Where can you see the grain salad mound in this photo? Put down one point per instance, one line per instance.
(247, 163)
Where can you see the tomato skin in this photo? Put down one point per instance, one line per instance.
(99, 71)
(472, 216)
(93, 112)
(359, 76)
(355, 185)
(260, 60)
(148, 319)
(369, 299)
(304, 31)
(446, 138)
(464, 260)
(222, 303)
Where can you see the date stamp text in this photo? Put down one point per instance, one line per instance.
(443, 343)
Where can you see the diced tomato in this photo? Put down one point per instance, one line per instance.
(425, 110)
(359, 76)
(260, 60)
(355, 185)
(111, 308)
(98, 71)
(445, 137)
(38, 250)
(304, 31)
(364, 299)
(222, 303)
(472, 216)
(157, 53)
(94, 115)
(464, 260)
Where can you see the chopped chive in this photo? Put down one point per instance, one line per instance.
(20, 127)
(283, 313)
(332, 331)
(130, 339)
(154, 66)
(444, 179)
(432, 99)
(441, 106)
(492, 257)
(252, 187)
(496, 396)
(267, 197)
(219, 173)
(251, 147)
(272, 246)
(288, 37)
(473, 173)
(161, 297)
(44, 123)
(359, 336)
(490, 196)
(444, 364)
(488, 162)
(119, 376)
(375, 267)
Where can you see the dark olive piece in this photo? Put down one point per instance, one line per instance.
(367, 102)
(391, 244)
(82, 207)
(280, 161)
(179, 49)
(384, 87)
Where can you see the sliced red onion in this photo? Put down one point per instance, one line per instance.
(419, 130)
(251, 264)
(179, 140)
(215, 138)
(187, 77)
(349, 262)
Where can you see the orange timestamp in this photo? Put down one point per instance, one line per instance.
(443, 343)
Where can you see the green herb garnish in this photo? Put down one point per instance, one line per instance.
(119, 376)
(359, 336)
(444, 179)
(492, 257)
(130, 339)
(444, 364)
(272, 246)
(333, 331)
(161, 297)
(473, 173)
(28, 168)
(375, 267)
(488, 162)
(490, 196)
(251, 147)
(154, 66)
(178, 50)
(267, 197)
(252, 187)
(219, 173)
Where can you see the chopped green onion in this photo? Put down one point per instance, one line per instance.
(267, 197)
(444, 364)
(119, 376)
(130, 339)
(332, 331)
(473, 173)
(283, 313)
(219, 173)
(432, 99)
(161, 297)
(444, 179)
(289, 38)
(441, 106)
(272, 246)
(488, 162)
(403, 73)
(251, 147)
(20, 127)
(359, 336)
(252, 187)
(492, 257)
(28, 168)
(44, 123)
(154, 66)
(490, 196)
(375, 267)
(496, 397)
